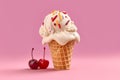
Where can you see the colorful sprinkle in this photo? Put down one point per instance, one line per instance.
(57, 22)
(60, 16)
(54, 18)
(64, 12)
(67, 22)
(59, 25)
(54, 24)
(66, 17)
(53, 12)
(42, 23)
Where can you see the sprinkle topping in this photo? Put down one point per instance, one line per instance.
(57, 22)
(54, 18)
(59, 25)
(60, 16)
(53, 12)
(64, 12)
(42, 23)
(67, 22)
(54, 24)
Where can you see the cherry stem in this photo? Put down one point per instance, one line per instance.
(32, 53)
(44, 53)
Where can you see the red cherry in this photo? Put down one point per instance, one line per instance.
(33, 63)
(43, 64)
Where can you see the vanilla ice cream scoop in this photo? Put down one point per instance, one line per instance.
(58, 26)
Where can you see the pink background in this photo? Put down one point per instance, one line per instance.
(95, 57)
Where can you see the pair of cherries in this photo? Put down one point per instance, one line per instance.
(35, 64)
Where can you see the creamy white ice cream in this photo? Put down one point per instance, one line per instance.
(58, 26)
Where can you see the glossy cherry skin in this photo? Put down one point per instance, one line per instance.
(43, 64)
(33, 64)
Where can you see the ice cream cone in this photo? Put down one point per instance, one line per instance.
(60, 33)
(61, 54)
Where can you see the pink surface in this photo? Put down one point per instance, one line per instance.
(83, 68)
(98, 23)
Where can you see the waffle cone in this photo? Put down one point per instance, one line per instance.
(61, 54)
